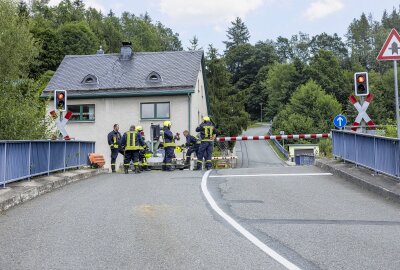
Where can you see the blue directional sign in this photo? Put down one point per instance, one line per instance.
(340, 121)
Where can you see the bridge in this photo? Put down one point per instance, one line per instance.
(263, 214)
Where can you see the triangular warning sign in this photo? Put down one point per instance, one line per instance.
(391, 48)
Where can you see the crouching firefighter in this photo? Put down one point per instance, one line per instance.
(193, 145)
(207, 137)
(143, 152)
(169, 146)
(114, 140)
(132, 143)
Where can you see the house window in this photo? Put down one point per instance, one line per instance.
(90, 79)
(154, 77)
(159, 110)
(83, 112)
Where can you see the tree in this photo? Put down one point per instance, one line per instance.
(23, 118)
(310, 110)
(279, 86)
(227, 107)
(77, 39)
(325, 69)
(17, 46)
(360, 41)
(330, 43)
(50, 52)
(237, 34)
(194, 43)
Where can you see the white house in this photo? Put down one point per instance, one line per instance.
(131, 88)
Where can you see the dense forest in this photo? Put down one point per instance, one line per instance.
(301, 81)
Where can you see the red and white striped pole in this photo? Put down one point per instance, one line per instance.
(274, 137)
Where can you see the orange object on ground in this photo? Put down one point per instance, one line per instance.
(97, 159)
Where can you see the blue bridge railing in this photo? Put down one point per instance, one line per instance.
(25, 159)
(377, 153)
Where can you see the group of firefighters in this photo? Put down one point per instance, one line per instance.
(134, 148)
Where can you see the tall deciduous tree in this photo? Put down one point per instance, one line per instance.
(325, 69)
(23, 118)
(310, 110)
(17, 45)
(279, 87)
(77, 38)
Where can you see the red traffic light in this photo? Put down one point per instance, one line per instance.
(60, 100)
(61, 96)
(361, 79)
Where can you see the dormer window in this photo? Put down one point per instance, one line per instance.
(90, 79)
(154, 77)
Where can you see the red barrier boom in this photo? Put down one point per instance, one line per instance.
(274, 137)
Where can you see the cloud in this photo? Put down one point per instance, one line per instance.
(322, 8)
(209, 10)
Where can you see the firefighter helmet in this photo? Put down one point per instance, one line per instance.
(167, 123)
(206, 119)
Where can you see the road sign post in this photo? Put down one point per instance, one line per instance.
(390, 51)
(396, 92)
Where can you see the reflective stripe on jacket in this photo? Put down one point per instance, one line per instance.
(131, 141)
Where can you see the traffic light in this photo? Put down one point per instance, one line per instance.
(361, 83)
(60, 100)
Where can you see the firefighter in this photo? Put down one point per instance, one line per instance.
(143, 165)
(207, 136)
(193, 145)
(169, 145)
(131, 142)
(114, 140)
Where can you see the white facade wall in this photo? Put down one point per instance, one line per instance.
(199, 103)
(126, 112)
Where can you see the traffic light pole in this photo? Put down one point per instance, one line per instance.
(396, 92)
(363, 124)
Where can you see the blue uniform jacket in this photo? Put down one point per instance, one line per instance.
(168, 135)
(111, 135)
(202, 130)
(138, 141)
(190, 140)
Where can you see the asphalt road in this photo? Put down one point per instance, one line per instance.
(164, 221)
(256, 154)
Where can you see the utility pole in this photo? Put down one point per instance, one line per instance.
(261, 104)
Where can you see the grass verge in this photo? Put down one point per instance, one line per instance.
(279, 153)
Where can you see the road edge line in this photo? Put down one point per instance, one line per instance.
(266, 249)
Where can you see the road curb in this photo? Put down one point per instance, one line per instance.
(379, 184)
(19, 192)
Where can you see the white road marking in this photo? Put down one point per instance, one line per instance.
(271, 175)
(266, 249)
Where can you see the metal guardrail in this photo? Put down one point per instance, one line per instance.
(380, 154)
(25, 159)
(280, 147)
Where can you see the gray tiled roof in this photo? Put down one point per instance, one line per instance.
(178, 70)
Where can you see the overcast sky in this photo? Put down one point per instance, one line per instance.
(266, 19)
